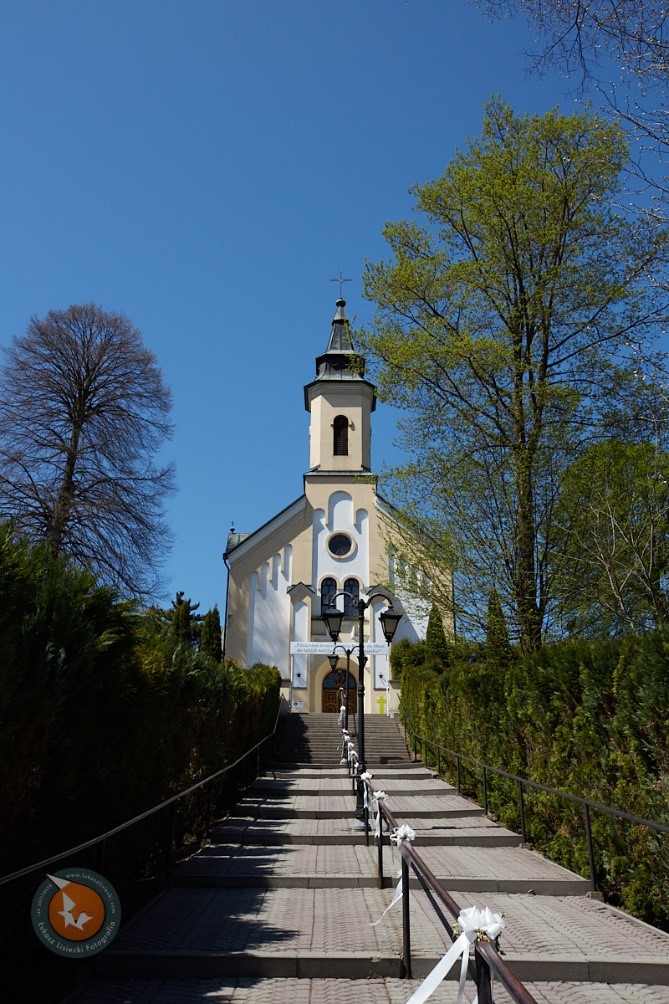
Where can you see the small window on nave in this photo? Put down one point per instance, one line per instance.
(351, 597)
(328, 590)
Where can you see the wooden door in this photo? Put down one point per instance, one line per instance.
(333, 689)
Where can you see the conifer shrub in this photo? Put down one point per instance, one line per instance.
(590, 718)
(104, 713)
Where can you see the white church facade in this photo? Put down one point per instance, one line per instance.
(334, 539)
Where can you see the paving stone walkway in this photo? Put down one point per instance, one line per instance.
(281, 905)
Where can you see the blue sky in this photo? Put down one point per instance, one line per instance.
(207, 167)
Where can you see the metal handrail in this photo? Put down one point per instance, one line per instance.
(5, 879)
(586, 803)
(487, 958)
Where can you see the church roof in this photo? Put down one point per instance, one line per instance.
(340, 361)
(234, 539)
(340, 336)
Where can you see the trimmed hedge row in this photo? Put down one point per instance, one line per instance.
(588, 718)
(101, 715)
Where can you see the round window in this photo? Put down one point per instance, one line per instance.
(340, 544)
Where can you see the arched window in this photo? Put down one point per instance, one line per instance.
(352, 590)
(340, 436)
(328, 590)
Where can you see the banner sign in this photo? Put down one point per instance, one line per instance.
(326, 647)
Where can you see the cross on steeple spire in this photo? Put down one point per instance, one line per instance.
(340, 280)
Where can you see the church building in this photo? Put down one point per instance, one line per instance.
(334, 539)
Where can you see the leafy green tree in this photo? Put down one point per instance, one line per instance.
(406, 655)
(504, 317)
(611, 545)
(210, 635)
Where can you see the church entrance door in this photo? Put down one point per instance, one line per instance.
(333, 689)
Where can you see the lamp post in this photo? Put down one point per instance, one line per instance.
(334, 662)
(389, 619)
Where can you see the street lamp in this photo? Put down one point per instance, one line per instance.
(389, 619)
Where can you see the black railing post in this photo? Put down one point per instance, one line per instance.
(521, 810)
(379, 850)
(457, 773)
(406, 923)
(485, 790)
(591, 854)
(483, 981)
(438, 760)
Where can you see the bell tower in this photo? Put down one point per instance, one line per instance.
(340, 402)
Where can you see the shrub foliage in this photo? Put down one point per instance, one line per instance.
(588, 718)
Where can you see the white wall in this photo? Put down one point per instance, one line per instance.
(269, 612)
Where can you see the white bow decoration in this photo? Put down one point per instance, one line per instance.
(365, 776)
(475, 925)
(402, 835)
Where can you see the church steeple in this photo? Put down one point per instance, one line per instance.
(340, 401)
(340, 360)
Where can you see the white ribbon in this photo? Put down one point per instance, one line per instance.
(377, 797)
(396, 898)
(475, 924)
(365, 776)
(352, 755)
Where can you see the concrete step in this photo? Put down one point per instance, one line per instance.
(317, 808)
(464, 866)
(283, 788)
(402, 773)
(372, 990)
(190, 933)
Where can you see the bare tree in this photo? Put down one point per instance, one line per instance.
(83, 413)
(619, 47)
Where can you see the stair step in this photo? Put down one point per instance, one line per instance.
(188, 933)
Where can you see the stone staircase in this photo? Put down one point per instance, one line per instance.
(282, 904)
(315, 740)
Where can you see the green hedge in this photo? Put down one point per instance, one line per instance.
(102, 716)
(588, 718)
